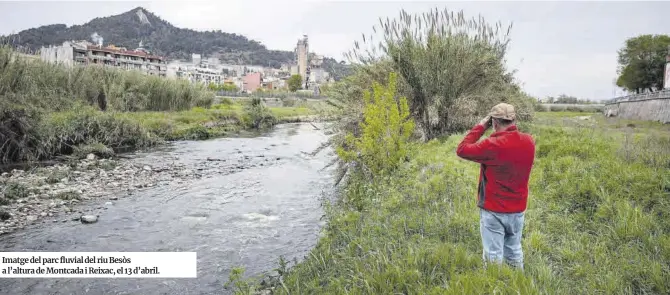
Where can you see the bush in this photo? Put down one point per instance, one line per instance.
(257, 115)
(62, 132)
(385, 131)
(467, 56)
(15, 191)
(96, 148)
(18, 132)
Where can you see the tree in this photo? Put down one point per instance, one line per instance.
(294, 83)
(452, 68)
(642, 63)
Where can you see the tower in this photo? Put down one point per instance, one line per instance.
(302, 51)
(666, 79)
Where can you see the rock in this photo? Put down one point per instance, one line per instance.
(108, 203)
(113, 198)
(4, 174)
(147, 168)
(31, 218)
(43, 214)
(64, 180)
(90, 157)
(5, 215)
(89, 219)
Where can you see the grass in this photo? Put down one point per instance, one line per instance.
(48, 110)
(201, 123)
(585, 108)
(598, 220)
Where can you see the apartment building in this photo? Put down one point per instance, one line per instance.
(85, 53)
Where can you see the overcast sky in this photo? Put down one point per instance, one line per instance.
(557, 47)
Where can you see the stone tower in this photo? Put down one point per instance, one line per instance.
(302, 52)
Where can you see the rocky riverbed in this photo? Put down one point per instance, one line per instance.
(81, 191)
(237, 202)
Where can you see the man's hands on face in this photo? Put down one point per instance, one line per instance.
(486, 122)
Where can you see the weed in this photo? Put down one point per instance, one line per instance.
(15, 191)
(56, 176)
(596, 222)
(68, 195)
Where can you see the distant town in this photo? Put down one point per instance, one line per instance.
(199, 69)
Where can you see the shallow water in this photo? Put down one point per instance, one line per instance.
(267, 204)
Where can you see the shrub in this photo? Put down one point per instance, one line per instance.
(453, 69)
(257, 115)
(68, 195)
(96, 148)
(14, 191)
(385, 131)
(56, 176)
(61, 132)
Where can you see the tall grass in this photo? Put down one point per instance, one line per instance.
(54, 87)
(597, 221)
(48, 110)
(586, 108)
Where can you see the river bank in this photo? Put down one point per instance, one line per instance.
(40, 193)
(233, 200)
(599, 199)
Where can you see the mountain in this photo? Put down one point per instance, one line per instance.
(155, 34)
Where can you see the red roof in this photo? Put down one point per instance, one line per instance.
(125, 52)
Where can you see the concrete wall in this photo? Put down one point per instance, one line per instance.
(58, 54)
(648, 106)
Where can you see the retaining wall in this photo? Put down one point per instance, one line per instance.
(648, 106)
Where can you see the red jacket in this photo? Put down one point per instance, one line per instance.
(506, 159)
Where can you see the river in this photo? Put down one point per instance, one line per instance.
(269, 204)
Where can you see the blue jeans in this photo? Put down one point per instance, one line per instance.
(501, 237)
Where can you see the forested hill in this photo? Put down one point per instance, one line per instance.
(139, 25)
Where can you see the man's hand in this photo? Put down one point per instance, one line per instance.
(486, 122)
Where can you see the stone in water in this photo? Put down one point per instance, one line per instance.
(89, 219)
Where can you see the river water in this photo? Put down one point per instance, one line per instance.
(267, 204)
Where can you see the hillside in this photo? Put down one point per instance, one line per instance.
(139, 25)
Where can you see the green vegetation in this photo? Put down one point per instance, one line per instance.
(382, 143)
(48, 110)
(597, 220)
(468, 56)
(642, 63)
(567, 99)
(15, 191)
(223, 87)
(294, 83)
(586, 108)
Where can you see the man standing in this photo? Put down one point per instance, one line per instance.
(506, 159)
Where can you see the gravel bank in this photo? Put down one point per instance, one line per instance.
(65, 193)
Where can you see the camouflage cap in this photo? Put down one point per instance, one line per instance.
(503, 111)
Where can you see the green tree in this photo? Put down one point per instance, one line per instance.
(642, 63)
(294, 83)
(229, 87)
